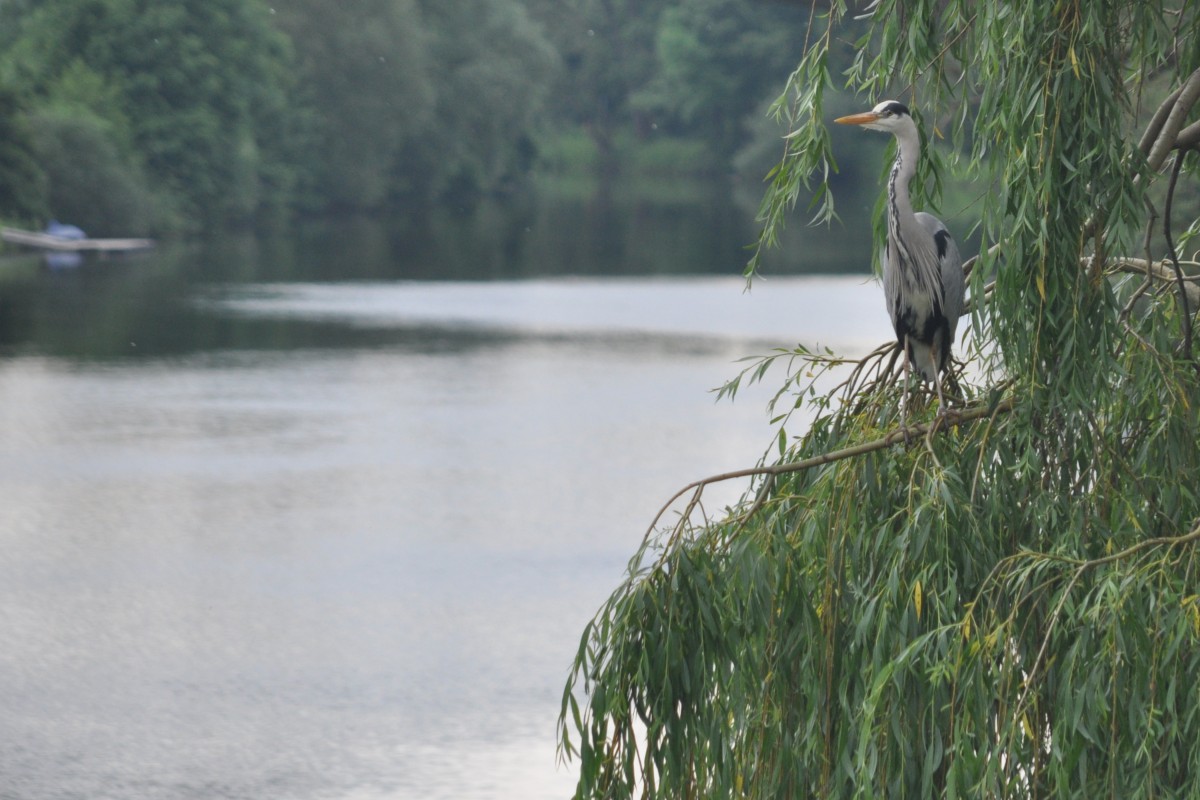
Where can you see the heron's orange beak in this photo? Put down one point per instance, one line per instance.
(858, 119)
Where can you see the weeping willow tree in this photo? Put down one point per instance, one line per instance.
(1001, 601)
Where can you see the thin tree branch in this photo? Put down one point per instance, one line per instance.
(1153, 269)
(950, 420)
(1019, 708)
(1080, 568)
(1183, 296)
(1157, 270)
(1149, 281)
(1146, 544)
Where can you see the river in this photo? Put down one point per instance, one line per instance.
(324, 515)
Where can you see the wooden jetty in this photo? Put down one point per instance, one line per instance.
(47, 241)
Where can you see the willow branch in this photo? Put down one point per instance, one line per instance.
(952, 419)
(1145, 285)
(1019, 708)
(1158, 120)
(1146, 544)
(1189, 285)
(1167, 137)
(1153, 269)
(1189, 137)
(1082, 566)
(1183, 295)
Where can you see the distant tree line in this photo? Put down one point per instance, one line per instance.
(141, 115)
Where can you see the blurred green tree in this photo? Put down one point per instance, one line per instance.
(198, 90)
(492, 68)
(82, 163)
(718, 60)
(607, 49)
(23, 187)
(84, 145)
(369, 93)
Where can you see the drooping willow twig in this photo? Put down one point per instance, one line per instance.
(1082, 566)
(1174, 256)
(898, 435)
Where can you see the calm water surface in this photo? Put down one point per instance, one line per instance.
(274, 530)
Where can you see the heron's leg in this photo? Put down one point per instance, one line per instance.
(904, 397)
(937, 382)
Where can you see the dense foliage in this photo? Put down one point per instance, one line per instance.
(1003, 601)
(129, 115)
(183, 103)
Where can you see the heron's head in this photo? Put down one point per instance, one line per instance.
(888, 116)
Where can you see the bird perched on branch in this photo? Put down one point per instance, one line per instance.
(923, 272)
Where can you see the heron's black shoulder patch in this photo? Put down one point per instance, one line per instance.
(898, 108)
(942, 238)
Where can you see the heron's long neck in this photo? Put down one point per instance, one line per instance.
(900, 208)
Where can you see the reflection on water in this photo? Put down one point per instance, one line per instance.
(304, 574)
(308, 540)
(141, 306)
(818, 308)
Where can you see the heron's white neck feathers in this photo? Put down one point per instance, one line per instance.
(912, 254)
(907, 151)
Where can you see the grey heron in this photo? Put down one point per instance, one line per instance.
(923, 279)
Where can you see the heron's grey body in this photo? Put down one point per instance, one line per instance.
(923, 279)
